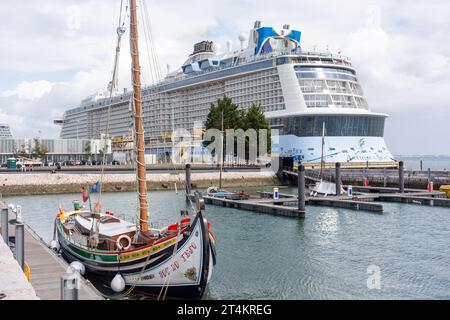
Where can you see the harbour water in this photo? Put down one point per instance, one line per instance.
(432, 162)
(324, 256)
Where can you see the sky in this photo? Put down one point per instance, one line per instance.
(56, 52)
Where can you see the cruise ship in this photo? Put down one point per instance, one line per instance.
(5, 131)
(310, 97)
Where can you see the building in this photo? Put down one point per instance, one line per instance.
(309, 96)
(59, 150)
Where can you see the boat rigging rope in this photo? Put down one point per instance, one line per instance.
(104, 146)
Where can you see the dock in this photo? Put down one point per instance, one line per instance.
(13, 282)
(46, 269)
(256, 206)
(353, 203)
(361, 198)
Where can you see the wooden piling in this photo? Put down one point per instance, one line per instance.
(338, 178)
(4, 225)
(401, 177)
(301, 189)
(188, 181)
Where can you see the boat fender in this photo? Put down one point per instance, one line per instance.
(123, 239)
(78, 266)
(54, 245)
(118, 283)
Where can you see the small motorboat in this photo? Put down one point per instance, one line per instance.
(217, 193)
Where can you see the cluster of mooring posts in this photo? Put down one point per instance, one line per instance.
(29, 269)
(364, 198)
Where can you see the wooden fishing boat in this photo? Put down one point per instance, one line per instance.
(175, 261)
(179, 257)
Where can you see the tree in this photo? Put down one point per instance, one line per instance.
(87, 151)
(40, 150)
(237, 118)
(227, 111)
(254, 119)
(232, 115)
(20, 152)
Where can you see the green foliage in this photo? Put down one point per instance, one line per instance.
(254, 119)
(40, 151)
(88, 151)
(232, 115)
(237, 118)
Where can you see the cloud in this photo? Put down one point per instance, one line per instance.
(30, 90)
(400, 49)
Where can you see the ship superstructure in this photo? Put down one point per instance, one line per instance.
(305, 94)
(5, 131)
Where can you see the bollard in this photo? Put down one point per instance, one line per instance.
(350, 191)
(20, 244)
(276, 194)
(301, 188)
(4, 225)
(69, 286)
(338, 178)
(401, 177)
(188, 181)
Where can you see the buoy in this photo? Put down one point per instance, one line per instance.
(366, 182)
(123, 242)
(78, 266)
(54, 245)
(118, 283)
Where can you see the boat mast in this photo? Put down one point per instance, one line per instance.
(322, 164)
(221, 155)
(139, 128)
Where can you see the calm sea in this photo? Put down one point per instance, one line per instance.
(432, 162)
(331, 254)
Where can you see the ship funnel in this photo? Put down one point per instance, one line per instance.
(257, 24)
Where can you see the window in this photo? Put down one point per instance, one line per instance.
(335, 125)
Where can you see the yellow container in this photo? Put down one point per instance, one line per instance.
(446, 189)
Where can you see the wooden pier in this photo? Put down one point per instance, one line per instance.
(343, 201)
(364, 198)
(46, 269)
(258, 206)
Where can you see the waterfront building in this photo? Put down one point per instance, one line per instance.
(309, 96)
(59, 150)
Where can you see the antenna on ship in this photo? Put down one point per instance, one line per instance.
(242, 39)
(229, 45)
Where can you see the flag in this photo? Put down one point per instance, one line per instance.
(96, 188)
(84, 194)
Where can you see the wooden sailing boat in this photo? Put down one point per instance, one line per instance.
(176, 261)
